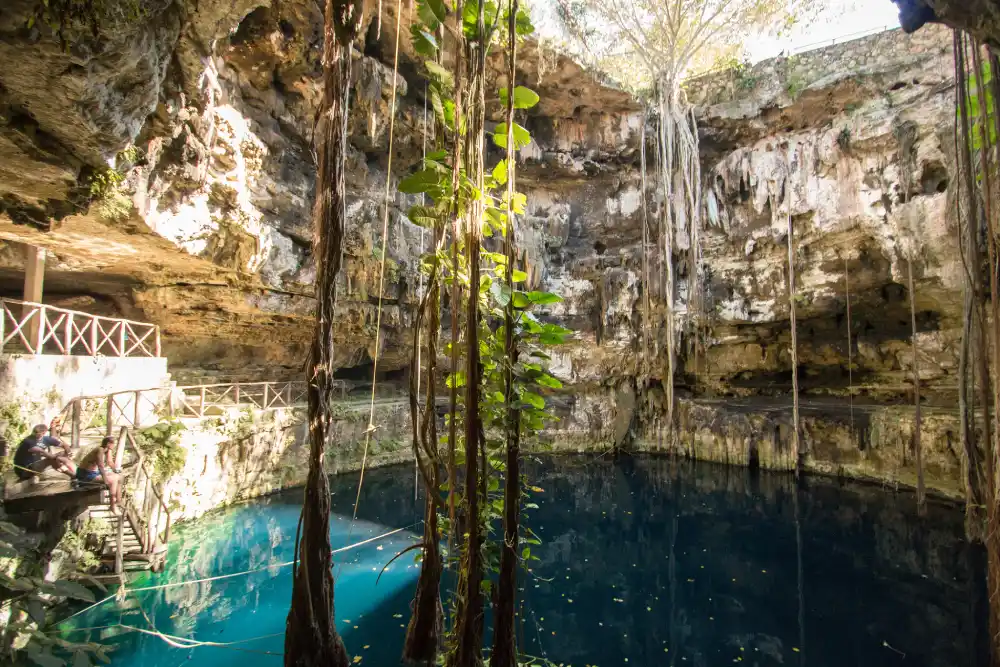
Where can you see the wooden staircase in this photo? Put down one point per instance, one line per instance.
(139, 535)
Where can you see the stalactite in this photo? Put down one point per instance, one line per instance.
(646, 323)
(850, 346)
(906, 136)
(796, 443)
(917, 449)
(311, 636)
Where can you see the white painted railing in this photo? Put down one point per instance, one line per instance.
(35, 328)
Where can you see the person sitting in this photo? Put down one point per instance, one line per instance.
(39, 452)
(98, 465)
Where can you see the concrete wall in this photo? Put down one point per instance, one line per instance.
(43, 383)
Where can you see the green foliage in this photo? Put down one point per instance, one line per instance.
(30, 598)
(742, 72)
(108, 188)
(17, 425)
(794, 85)
(844, 139)
(160, 444)
(75, 544)
(974, 107)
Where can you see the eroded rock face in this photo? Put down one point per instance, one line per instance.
(853, 142)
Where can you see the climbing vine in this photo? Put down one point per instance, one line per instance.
(499, 367)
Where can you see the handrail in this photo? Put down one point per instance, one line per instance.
(37, 328)
(148, 531)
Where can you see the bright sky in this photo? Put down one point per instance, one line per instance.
(842, 19)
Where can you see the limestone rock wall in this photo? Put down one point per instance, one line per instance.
(215, 243)
(247, 453)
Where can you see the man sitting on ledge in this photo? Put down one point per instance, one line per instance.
(39, 452)
(98, 466)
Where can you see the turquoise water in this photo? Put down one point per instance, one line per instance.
(645, 561)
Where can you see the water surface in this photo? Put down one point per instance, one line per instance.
(645, 561)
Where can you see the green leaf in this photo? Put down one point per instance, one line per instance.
(422, 181)
(521, 136)
(500, 172)
(425, 216)
(524, 98)
(440, 75)
(456, 380)
(424, 43)
(519, 276)
(80, 659)
(543, 298)
(71, 589)
(549, 381)
(518, 203)
(533, 400)
(522, 23)
(470, 17)
(526, 553)
(520, 300)
(497, 218)
(439, 9)
(531, 506)
(501, 294)
(36, 610)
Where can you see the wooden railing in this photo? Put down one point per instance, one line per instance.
(142, 503)
(205, 399)
(34, 328)
(135, 409)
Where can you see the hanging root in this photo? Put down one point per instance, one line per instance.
(504, 643)
(310, 634)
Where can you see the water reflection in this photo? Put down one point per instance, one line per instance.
(645, 561)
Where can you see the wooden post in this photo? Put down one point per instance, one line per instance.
(93, 336)
(121, 338)
(146, 497)
(38, 332)
(123, 435)
(201, 409)
(158, 348)
(110, 415)
(264, 402)
(135, 409)
(237, 393)
(119, 564)
(34, 278)
(68, 335)
(75, 424)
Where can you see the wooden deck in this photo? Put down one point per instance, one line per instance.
(49, 490)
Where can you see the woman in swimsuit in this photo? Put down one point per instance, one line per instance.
(97, 465)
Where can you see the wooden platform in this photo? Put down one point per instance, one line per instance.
(50, 490)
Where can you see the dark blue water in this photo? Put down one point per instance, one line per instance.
(645, 562)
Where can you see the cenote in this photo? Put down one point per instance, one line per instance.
(645, 561)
